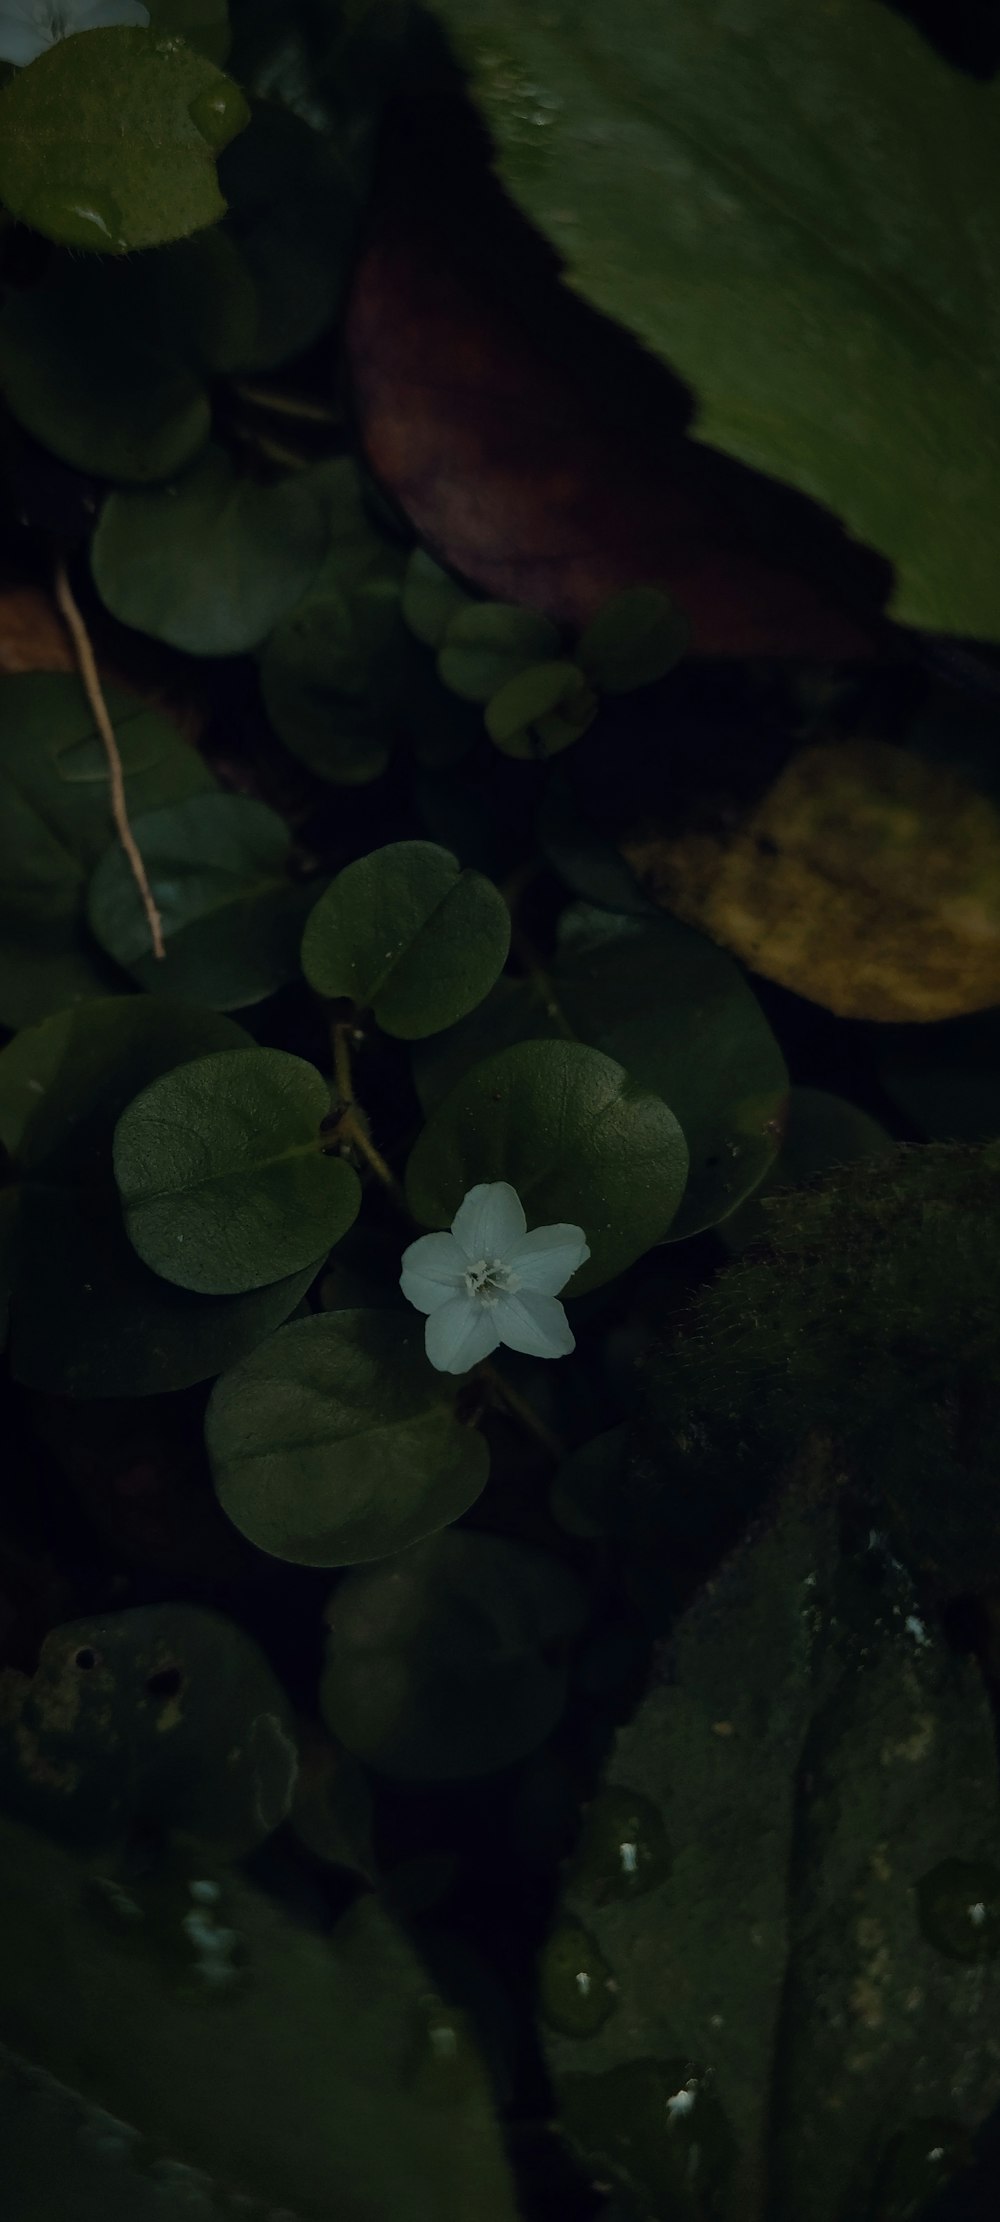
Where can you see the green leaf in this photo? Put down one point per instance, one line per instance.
(308, 2075)
(232, 920)
(821, 1131)
(55, 823)
(111, 145)
(489, 643)
(541, 711)
(87, 368)
(431, 598)
(450, 1662)
(295, 197)
(886, 1277)
(946, 1079)
(743, 1956)
(404, 932)
(87, 1317)
(164, 1718)
(637, 637)
(221, 1176)
(576, 1137)
(210, 562)
(336, 1441)
(797, 211)
(678, 1014)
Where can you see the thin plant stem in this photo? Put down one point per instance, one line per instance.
(350, 1125)
(286, 404)
(522, 1411)
(72, 616)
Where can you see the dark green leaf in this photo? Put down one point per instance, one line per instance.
(232, 920)
(221, 1176)
(431, 598)
(112, 145)
(743, 1958)
(404, 932)
(332, 1809)
(637, 637)
(821, 1131)
(678, 1014)
(450, 1662)
(587, 1487)
(211, 561)
(797, 211)
(55, 822)
(163, 1718)
(88, 1319)
(584, 856)
(541, 710)
(489, 643)
(576, 1137)
(295, 197)
(336, 1441)
(303, 2070)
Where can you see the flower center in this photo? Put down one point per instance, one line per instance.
(488, 1279)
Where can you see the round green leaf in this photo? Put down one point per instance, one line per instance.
(221, 1176)
(81, 370)
(488, 643)
(136, 122)
(541, 711)
(318, 678)
(55, 823)
(162, 1718)
(232, 921)
(336, 1441)
(637, 637)
(677, 1013)
(431, 598)
(821, 1132)
(211, 561)
(573, 1134)
(450, 1662)
(87, 1317)
(294, 196)
(404, 932)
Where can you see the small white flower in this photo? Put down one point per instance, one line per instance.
(490, 1282)
(27, 27)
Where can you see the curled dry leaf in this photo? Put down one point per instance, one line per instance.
(862, 878)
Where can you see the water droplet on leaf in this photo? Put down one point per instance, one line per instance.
(444, 2061)
(959, 1906)
(220, 113)
(576, 1987)
(656, 2126)
(623, 1848)
(76, 218)
(917, 2162)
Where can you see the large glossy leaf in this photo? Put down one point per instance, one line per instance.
(87, 1317)
(776, 1951)
(210, 562)
(672, 1009)
(231, 917)
(821, 1131)
(336, 1441)
(576, 1137)
(405, 933)
(163, 1718)
(301, 2070)
(221, 1174)
(794, 211)
(450, 1661)
(137, 121)
(55, 822)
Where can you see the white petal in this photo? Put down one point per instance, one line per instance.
(21, 38)
(490, 1221)
(433, 1271)
(535, 1325)
(461, 1333)
(544, 1259)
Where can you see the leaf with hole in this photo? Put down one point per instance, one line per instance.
(222, 1179)
(87, 1317)
(404, 932)
(336, 1441)
(55, 823)
(211, 561)
(450, 1662)
(232, 919)
(163, 1719)
(136, 122)
(677, 1013)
